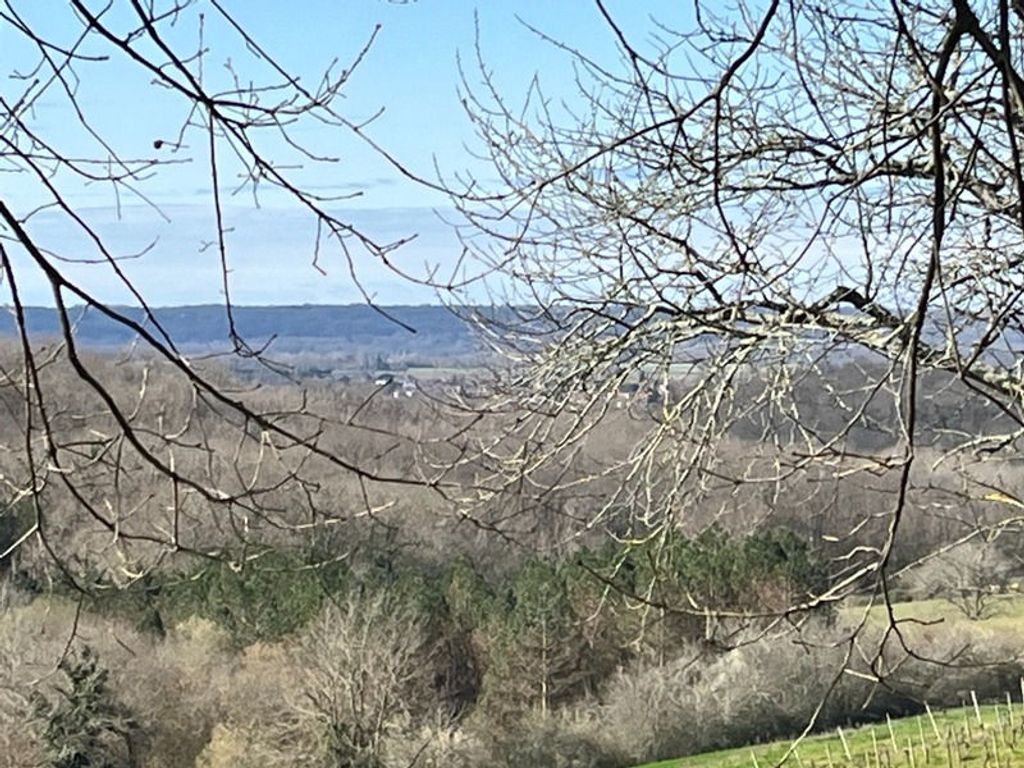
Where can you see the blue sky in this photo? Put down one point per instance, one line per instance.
(410, 72)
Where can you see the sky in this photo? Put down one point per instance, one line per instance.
(411, 73)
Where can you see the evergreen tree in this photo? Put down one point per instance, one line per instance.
(86, 727)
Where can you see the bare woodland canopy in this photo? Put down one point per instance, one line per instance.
(731, 211)
(785, 188)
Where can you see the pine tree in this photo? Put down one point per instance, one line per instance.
(86, 727)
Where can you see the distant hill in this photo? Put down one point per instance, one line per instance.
(309, 326)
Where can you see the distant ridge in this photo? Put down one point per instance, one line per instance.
(207, 325)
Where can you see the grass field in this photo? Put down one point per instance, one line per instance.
(1004, 612)
(991, 736)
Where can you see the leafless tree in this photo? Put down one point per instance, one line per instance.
(787, 221)
(366, 666)
(970, 576)
(94, 442)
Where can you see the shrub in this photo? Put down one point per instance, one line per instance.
(85, 726)
(19, 738)
(15, 521)
(702, 701)
(554, 742)
(437, 745)
(175, 689)
(265, 721)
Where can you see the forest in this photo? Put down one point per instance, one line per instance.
(347, 631)
(389, 383)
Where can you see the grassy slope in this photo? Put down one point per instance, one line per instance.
(1005, 612)
(957, 737)
(948, 739)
